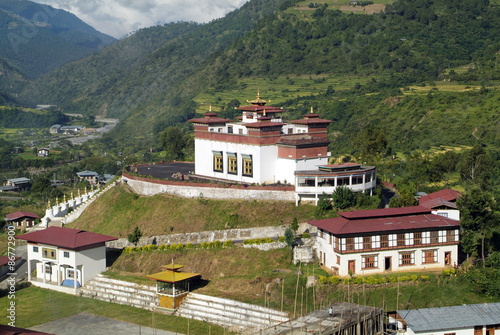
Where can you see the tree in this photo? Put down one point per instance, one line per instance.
(135, 236)
(371, 143)
(294, 225)
(343, 197)
(289, 238)
(477, 214)
(323, 206)
(446, 163)
(172, 140)
(475, 167)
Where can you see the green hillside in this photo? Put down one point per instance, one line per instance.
(36, 38)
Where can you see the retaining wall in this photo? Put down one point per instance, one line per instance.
(145, 186)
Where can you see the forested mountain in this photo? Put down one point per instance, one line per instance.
(36, 38)
(417, 42)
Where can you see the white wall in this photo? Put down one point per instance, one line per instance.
(93, 262)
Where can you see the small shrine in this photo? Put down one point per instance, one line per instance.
(172, 286)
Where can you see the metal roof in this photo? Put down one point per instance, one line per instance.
(453, 317)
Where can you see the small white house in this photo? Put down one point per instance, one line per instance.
(57, 255)
(479, 319)
(442, 203)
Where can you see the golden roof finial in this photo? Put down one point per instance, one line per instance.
(210, 108)
(78, 192)
(312, 110)
(264, 112)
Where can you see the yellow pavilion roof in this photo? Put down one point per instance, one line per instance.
(172, 267)
(172, 277)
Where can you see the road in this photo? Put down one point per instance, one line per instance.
(22, 270)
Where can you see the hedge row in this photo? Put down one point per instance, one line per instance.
(180, 246)
(371, 280)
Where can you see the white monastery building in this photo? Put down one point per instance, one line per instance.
(57, 254)
(262, 149)
(374, 241)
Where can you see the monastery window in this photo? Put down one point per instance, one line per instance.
(48, 253)
(349, 243)
(376, 242)
(232, 163)
(320, 233)
(426, 239)
(240, 131)
(443, 214)
(330, 238)
(384, 241)
(229, 129)
(406, 258)
(358, 243)
(409, 238)
(66, 254)
(218, 165)
(429, 256)
(417, 238)
(342, 181)
(35, 249)
(247, 165)
(434, 237)
(393, 240)
(450, 236)
(442, 236)
(368, 177)
(367, 242)
(401, 240)
(369, 262)
(356, 180)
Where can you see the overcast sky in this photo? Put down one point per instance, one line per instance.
(120, 17)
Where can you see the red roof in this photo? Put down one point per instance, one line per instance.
(446, 194)
(263, 124)
(8, 330)
(210, 120)
(67, 238)
(4, 260)
(21, 214)
(373, 221)
(434, 203)
(311, 120)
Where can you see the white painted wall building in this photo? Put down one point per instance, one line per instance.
(386, 240)
(59, 254)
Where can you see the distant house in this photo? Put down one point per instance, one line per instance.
(386, 240)
(479, 319)
(43, 152)
(6, 268)
(442, 203)
(105, 178)
(55, 129)
(21, 220)
(71, 129)
(16, 184)
(91, 176)
(61, 255)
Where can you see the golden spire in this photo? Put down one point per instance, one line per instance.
(78, 192)
(71, 195)
(312, 110)
(210, 108)
(48, 204)
(85, 189)
(64, 198)
(264, 113)
(57, 201)
(258, 101)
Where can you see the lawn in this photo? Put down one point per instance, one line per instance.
(35, 306)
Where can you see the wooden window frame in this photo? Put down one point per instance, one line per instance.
(417, 238)
(384, 241)
(400, 240)
(434, 237)
(248, 167)
(232, 164)
(218, 162)
(367, 242)
(450, 236)
(407, 258)
(369, 262)
(349, 244)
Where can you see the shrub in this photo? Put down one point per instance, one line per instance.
(210, 245)
(145, 248)
(137, 249)
(334, 280)
(424, 278)
(152, 247)
(189, 246)
(173, 246)
(322, 279)
(269, 240)
(281, 238)
(393, 280)
(371, 280)
(163, 247)
(446, 273)
(217, 244)
(347, 280)
(180, 246)
(128, 249)
(228, 244)
(357, 280)
(306, 235)
(204, 245)
(414, 278)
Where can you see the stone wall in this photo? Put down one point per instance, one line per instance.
(205, 236)
(149, 187)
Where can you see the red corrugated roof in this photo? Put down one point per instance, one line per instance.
(311, 121)
(209, 120)
(433, 203)
(66, 238)
(263, 124)
(385, 212)
(21, 214)
(344, 226)
(446, 194)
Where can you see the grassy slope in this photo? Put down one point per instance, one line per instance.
(118, 212)
(35, 306)
(243, 274)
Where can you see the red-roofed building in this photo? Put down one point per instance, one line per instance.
(21, 220)
(383, 240)
(260, 148)
(57, 254)
(442, 203)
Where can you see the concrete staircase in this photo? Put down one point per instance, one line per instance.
(232, 314)
(120, 292)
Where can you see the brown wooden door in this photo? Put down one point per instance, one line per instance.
(478, 330)
(447, 258)
(352, 266)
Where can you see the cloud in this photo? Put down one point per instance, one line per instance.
(120, 17)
